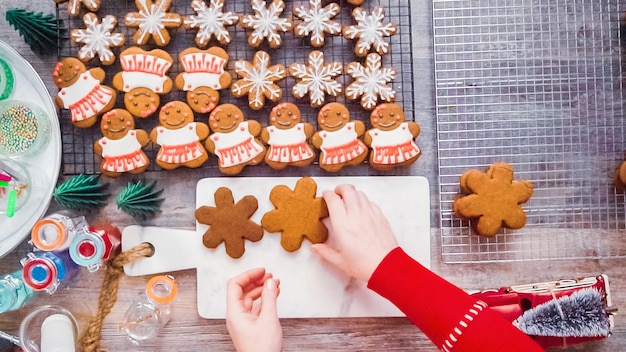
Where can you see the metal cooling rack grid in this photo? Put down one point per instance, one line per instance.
(538, 84)
(78, 156)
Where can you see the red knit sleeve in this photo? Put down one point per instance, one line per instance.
(450, 317)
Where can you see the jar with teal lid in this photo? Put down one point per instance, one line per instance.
(24, 128)
(14, 294)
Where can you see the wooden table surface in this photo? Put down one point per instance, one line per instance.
(188, 332)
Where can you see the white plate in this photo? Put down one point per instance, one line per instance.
(44, 167)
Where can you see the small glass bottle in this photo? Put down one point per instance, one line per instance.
(14, 293)
(44, 271)
(56, 231)
(146, 317)
(95, 245)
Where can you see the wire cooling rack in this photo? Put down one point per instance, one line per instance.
(537, 84)
(78, 156)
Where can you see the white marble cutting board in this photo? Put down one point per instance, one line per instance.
(309, 287)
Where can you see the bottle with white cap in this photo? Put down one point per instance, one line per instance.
(57, 334)
(146, 317)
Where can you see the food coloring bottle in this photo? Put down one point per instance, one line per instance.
(94, 246)
(56, 232)
(14, 293)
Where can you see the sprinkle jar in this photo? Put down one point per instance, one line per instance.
(24, 128)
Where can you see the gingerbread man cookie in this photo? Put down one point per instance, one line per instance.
(266, 23)
(121, 148)
(142, 79)
(153, 21)
(370, 31)
(391, 138)
(258, 80)
(97, 38)
(204, 74)
(493, 199)
(74, 6)
(316, 79)
(316, 21)
(338, 138)
(81, 91)
(287, 138)
(234, 139)
(297, 215)
(210, 22)
(180, 137)
(371, 82)
(229, 222)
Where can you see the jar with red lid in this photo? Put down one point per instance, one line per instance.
(91, 248)
(45, 271)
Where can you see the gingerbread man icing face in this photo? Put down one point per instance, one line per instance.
(225, 118)
(67, 72)
(387, 117)
(116, 123)
(203, 99)
(285, 116)
(141, 102)
(175, 115)
(333, 117)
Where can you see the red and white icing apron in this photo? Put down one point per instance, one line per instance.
(85, 98)
(288, 146)
(124, 154)
(236, 147)
(341, 146)
(393, 147)
(178, 146)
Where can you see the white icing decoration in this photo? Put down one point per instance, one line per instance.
(341, 146)
(97, 38)
(180, 145)
(370, 30)
(258, 80)
(211, 21)
(73, 6)
(289, 145)
(86, 97)
(152, 18)
(370, 82)
(136, 79)
(316, 20)
(394, 146)
(122, 154)
(202, 70)
(236, 147)
(266, 22)
(316, 79)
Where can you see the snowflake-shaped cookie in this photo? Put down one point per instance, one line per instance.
(153, 21)
(210, 21)
(73, 6)
(317, 20)
(266, 23)
(97, 38)
(258, 80)
(370, 82)
(316, 78)
(229, 222)
(370, 31)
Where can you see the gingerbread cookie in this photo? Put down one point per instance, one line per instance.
(370, 82)
(229, 222)
(74, 6)
(121, 148)
(81, 91)
(316, 79)
(392, 138)
(142, 79)
(210, 22)
(316, 21)
(297, 215)
(338, 138)
(370, 31)
(258, 80)
(153, 21)
(204, 74)
(287, 138)
(180, 137)
(97, 38)
(492, 199)
(234, 139)
(266, 23)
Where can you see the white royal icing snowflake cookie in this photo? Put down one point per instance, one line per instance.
(266, 23)
(370, 82)
(258, 80)
(370, 31)
(316, 21)
(316, 79)
(97, 38)
(210, 21)
(153, 21)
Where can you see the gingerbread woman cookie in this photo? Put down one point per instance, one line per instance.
(180, 137)
(316, 21)
(204, 74)
(81, 91)
(287, 138)
(142, 79)
(391, 138)
(234, 139)
(316, 79)
(338, 138)
(370, 31)
(258, 80)
(371, 82)
(97, 38)
(492, 199)
(210, 22)
(153, 21)
(266, 23)
(121, 148)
